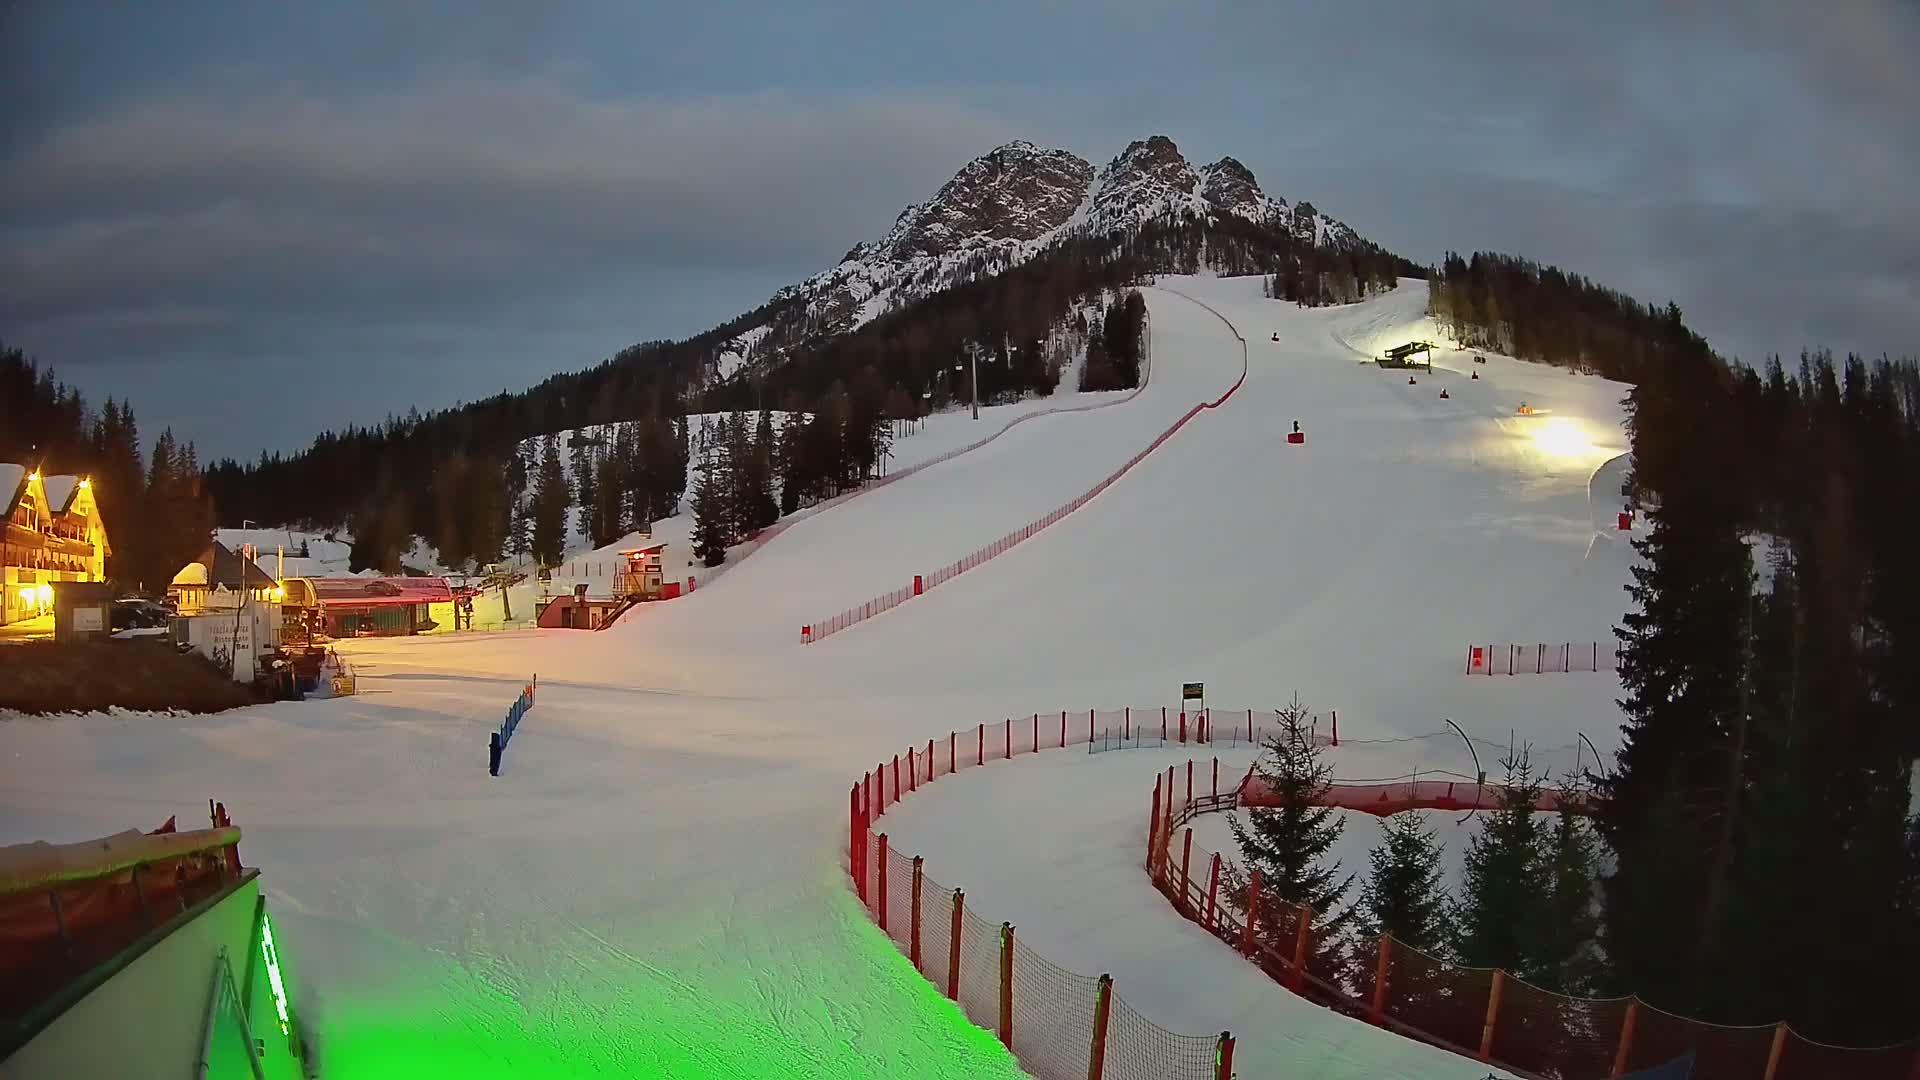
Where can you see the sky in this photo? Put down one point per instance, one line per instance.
(257, 222)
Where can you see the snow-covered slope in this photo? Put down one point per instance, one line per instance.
(655, 884)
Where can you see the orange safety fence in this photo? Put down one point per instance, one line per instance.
(859, 613)
(1483, 1013)
(1059, 1024)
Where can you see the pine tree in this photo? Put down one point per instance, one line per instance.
(758, 507)
(1404, 896)
(608, 520)
(1567, 927)
(550, 501)
(1288, 843)
(1505, 881)
(710, 536)
(517, 524)
(585, 496)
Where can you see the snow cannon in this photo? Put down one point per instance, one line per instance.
(1276, 335)
(1626, 520)
(1411, 381)
(1476, 376)
(1296, 436)
(1443, 394)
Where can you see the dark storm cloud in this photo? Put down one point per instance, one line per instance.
(430, 202)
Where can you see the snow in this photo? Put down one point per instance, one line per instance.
(656, 882)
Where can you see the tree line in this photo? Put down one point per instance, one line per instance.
(1517, 307)
(154, 506)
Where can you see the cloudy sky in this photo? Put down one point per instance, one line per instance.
(258, 223)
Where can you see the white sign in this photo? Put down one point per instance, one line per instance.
(89, 619)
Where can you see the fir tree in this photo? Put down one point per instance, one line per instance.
(550, 501)
(1288, 843)
(710, 536)
(1404, 896)
(1504, 882)
(585, 496)
(1567, 926)
(609, 519)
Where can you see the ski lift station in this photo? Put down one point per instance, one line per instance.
(1401, 356)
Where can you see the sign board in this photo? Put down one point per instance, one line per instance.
(1192, 691)
(89, 620)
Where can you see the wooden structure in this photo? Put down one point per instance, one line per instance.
(640, 578)
(376, 606)
(1401, 356)
(50, 532)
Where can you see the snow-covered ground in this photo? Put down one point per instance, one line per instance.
(656, 886)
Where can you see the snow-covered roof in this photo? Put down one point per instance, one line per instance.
(380, 591)
(11, 477)
(60, 491)
(191, 574)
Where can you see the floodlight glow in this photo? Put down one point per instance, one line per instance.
(1562, 437)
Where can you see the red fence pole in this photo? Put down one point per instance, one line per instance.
(1009, 738)
(1380, 979)
(1097, 1053)
(1163, 723)
(1626, 1038)
(1300, 947)
(1126, 724)
(1153, 822)
(933, 770)
(953, 761)
(1063, 729)
(913, 771)
(856, 845)
(1189, 801)
(1223, 1058)
(1253, 915)
(879, 805)
(1186, 860)
(1216, 778)
(1493, 1013)
(1183, 726)
(980, 752)
(1036, 732)
(913, 949)
(953, 945)
(1213, 890)
(1336, 727)
(882, 905)
(896, 778)
(1006, 984)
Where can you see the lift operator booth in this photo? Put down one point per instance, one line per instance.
(641, 576)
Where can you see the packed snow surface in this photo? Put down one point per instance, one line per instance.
(655, 885)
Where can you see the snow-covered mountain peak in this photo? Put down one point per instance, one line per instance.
(1017, 192)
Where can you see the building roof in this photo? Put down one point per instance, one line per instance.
(12, 483)
(60, 492)
(379, 591)
(225, 567)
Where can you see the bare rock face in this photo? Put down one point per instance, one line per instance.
(1017, 192)
(1011, 204)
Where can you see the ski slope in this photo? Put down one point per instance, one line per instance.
(655, 885)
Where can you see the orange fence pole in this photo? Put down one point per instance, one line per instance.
(1097, 1053)
(1380, 979)
(1213, 891)
(1300, 948)
(1223, 1058)
(1778, 1048)
(913, 950)
(1006, 984)
(1253, 915)
(1493, 1013)
(1626, 1038)
(883, 882)
(856, 846)
(953, 945)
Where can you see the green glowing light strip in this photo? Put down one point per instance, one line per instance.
(272, 957)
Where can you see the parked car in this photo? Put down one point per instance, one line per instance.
(137, 613)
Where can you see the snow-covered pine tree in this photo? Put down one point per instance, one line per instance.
(1289, 843)
(1568, 920)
